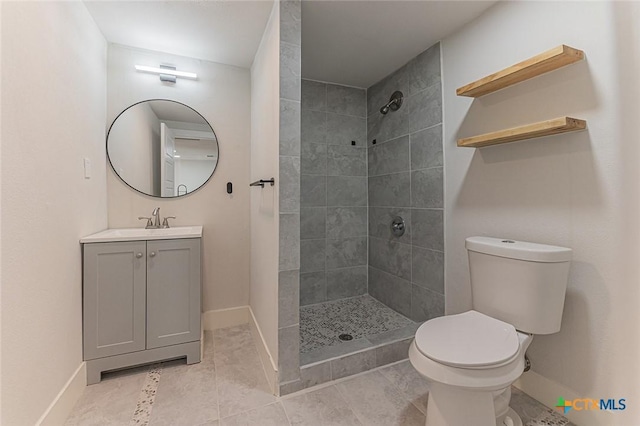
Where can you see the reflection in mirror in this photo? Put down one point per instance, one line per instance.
(162, 148)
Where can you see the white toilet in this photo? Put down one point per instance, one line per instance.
(471, 359)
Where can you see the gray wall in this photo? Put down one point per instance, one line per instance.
(333, 213)
(405, 179)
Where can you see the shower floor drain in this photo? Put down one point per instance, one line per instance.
(345, 337)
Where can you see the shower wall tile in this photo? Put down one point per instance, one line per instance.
(390, 290)
(313, 159)
(313, 127)
(289, 184)
(380, 219)
(390, 190)
(291, 21)
(312, 255)
(289, 244)
(394, 352)
(384, 128)
(346, 282)
(346, 160)
(428, 269)
(424, 70)
(426, 304)
(426, 188)
(289, 127)
(290, 61)
(391, 257)
(425, 108)
(390, 157)
(353, 364)
(380, 93)
(344, 222)
(346, 100)
(313, 288)
(313, 191)
(334, 173)
(405, 178)
(346, 252)
(342, 129)
(288, 298)
(289, 353)
(428, 228)
(346, 191)
(313, 222)
(314, 96)
(426, 148)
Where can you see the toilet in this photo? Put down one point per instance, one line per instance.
(471, 359)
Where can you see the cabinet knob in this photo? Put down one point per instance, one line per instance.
(152, 254)
(138, 255)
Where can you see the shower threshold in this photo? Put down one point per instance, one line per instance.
(379, 332)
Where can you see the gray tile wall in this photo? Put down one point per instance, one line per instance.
(288, 183)
(333, 185)
(405, 179)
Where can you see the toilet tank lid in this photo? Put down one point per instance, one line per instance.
(520, 250)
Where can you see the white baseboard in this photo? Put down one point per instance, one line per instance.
(60, 408)
(268, 364)
(547, 392)
(222, 318)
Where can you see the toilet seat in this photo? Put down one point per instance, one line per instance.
(468, 340)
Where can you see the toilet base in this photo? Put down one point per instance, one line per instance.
(512, 419)
(449, 406)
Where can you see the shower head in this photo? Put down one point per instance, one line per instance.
(394, 103)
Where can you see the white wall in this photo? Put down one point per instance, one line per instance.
(222, 95)
(265, 100)
(53, 116)
(578, 190)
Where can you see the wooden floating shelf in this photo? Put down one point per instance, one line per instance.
(529, 131)
(550, 60)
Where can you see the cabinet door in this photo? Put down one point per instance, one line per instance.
(173, 292)
(114, 281)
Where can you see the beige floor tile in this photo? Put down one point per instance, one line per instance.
(242, 388)
(412, 385)
(376, 401)
(110, 402)
(231, 339)
(271, 415)
(186, 395)
(321, 407)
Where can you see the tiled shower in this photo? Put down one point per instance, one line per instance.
(360, 170)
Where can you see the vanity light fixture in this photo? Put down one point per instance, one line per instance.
(167, 73)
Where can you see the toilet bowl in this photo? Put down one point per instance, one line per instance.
(471, 359)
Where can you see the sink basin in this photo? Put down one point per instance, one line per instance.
(136, 234)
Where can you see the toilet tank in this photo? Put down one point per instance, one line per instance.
(520, 283)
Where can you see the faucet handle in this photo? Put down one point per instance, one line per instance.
(165, 222)
(149, 223)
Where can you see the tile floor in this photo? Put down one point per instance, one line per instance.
(362, 316)
(229, 387)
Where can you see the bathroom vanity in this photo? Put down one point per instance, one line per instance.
(141, 297)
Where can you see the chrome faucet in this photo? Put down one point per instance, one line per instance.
(156, 215)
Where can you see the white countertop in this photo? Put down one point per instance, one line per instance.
(138, 234)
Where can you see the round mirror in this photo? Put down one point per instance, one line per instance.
(162, 148)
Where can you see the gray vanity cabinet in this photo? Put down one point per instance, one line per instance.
(173, 292)
(115, 276)
(141, 303)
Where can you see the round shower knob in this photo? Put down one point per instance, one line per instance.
(397, 226)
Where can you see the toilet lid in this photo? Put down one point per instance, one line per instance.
(470, 339)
